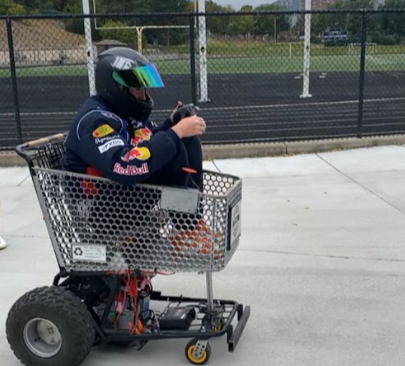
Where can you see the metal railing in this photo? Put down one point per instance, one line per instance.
(255, 76)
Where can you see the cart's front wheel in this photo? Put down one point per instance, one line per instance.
(198, 352)
(50, 325)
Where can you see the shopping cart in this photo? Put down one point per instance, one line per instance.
(110, 241)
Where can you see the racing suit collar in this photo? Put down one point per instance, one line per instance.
(111, 108)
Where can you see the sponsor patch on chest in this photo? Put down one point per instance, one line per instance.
(110, 144)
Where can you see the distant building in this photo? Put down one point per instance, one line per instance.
(315, 4)
(298, 5)
(290, 5)
(318, 4)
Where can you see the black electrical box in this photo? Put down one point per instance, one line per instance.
(177, 318)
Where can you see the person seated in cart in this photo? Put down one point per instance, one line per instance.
(113, 136)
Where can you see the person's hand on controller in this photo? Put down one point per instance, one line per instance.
(185, 121)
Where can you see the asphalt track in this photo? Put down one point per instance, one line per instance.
(242, 107)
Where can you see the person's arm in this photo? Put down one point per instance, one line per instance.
(102, 146)
(165, 126)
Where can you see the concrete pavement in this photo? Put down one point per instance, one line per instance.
(321, 262)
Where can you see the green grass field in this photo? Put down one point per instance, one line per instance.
(256, 49)
(288, 64)
(238, 64)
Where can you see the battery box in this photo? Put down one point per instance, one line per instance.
(177, 318)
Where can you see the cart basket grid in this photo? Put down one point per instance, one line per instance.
(96, 224)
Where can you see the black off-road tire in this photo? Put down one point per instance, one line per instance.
(62, 308)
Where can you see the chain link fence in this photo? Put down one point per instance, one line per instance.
(8, 131)
(259, 77)
(384, 76)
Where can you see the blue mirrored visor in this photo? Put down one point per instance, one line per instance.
(139, 77)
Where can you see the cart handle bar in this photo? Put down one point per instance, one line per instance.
(36, 143)
(42, 141)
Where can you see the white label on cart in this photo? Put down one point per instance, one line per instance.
(89, 253)
(236, 224)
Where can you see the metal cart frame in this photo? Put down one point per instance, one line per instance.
(222, 200)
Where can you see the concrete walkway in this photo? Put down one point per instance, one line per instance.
(321, 262)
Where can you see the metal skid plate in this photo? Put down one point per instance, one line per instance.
(99, 225)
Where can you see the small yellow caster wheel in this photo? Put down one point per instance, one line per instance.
(214, 325)
(219, 325)
(198, 352)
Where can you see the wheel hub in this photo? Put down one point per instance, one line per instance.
(42, 337)
(199, 349)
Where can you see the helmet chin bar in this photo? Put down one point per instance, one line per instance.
(148, 98)
(141, 107)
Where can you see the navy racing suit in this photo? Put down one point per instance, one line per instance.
(102, 143)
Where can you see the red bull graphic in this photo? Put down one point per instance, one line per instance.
(138, 153)
(131, 170)
(142, 134)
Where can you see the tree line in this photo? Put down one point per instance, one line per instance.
(16, 7)
(383, 28)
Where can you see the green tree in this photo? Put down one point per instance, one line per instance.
(77, 25)
(167, 6)
(118, 6)
(222, 24)
(168, 36)
(391, 26)
(59, 4)
(270, 24)
(350, 22)
(73, 25)
(124, 35)
(9, 7)
(165, 36)
(37, 6)
(245, 24)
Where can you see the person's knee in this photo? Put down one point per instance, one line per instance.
(192, 140)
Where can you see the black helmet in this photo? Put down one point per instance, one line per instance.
(119, 68)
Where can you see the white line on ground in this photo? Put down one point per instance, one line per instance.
(270, 106)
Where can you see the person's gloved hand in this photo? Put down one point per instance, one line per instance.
(183, 111)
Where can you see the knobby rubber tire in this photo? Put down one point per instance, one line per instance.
(62, 308)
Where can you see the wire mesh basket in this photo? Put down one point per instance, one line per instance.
(99, 225)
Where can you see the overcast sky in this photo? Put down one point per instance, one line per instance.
(237, 4)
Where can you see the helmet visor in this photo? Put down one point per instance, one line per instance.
(139, 77)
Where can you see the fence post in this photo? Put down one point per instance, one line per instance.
(14, 79)
(362, 73)
(307, 52)
(202, 40)
(89, 48)
(192, 60)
